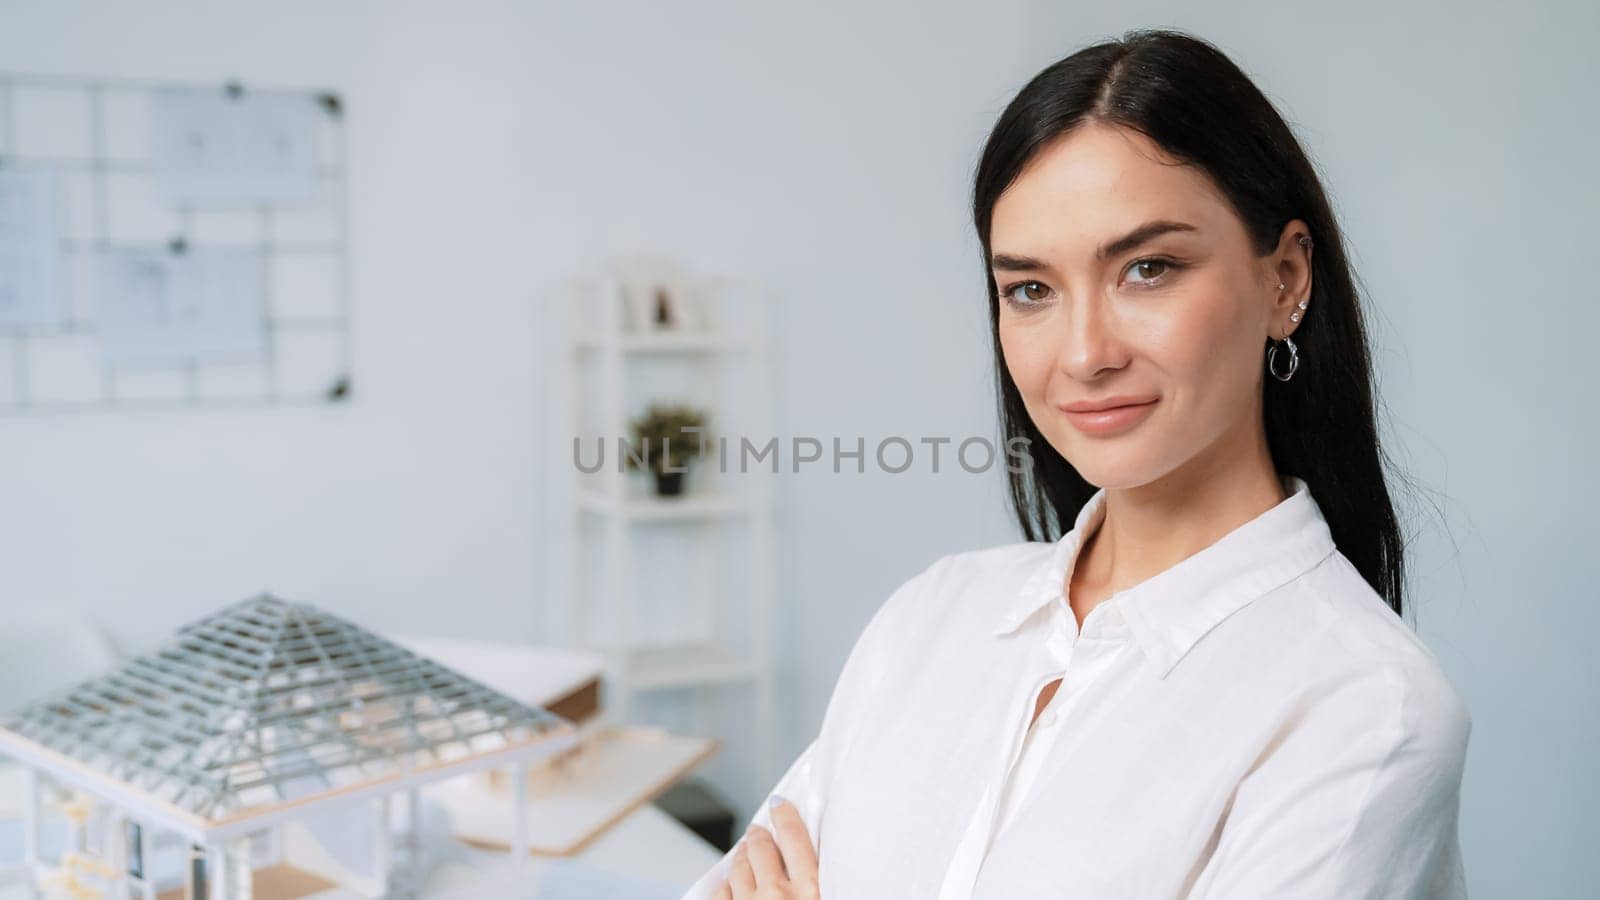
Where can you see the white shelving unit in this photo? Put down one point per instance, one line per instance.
(695, 619)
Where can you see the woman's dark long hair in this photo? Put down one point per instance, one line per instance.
(1190, 99)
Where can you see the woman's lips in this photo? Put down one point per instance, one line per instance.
(1110, 421)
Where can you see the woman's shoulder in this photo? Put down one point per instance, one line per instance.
(959, 585)
(954, 595)
(1347, 634)
(1015, 561)
(990, 569)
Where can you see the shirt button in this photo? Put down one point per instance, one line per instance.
(1048, 719)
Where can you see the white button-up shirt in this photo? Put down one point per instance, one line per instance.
(1253, 722)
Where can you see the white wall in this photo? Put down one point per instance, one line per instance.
(829, 153)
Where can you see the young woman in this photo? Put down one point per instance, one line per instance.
(1203, 688)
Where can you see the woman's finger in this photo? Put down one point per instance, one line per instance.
(741, 879)
(764, 858)
(798, 854)
(723, 892)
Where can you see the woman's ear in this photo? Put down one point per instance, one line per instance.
(1292, 266)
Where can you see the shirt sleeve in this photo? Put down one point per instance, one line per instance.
(805, 783)
(1357, 796)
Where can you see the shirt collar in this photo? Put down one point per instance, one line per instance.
(1169, 613)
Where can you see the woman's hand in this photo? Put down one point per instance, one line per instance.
(768, 868)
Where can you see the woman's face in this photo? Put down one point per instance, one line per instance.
(1126, 277)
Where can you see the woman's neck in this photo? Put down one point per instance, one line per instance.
(1148, 529)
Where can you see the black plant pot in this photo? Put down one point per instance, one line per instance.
(669, 484)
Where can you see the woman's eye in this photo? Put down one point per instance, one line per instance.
(1031, 292)
(1144, 267)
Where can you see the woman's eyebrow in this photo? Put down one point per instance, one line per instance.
(1007, 262)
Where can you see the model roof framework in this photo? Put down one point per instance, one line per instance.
(266, 702)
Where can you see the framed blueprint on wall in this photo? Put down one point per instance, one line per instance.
(170, 245)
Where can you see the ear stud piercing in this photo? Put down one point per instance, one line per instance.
(1305, 241)
(1295, 316)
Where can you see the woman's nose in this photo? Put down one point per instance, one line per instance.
(1089, 341)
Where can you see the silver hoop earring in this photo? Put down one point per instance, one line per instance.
(1294, 359)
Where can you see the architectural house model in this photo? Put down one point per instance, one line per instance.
(252, 718)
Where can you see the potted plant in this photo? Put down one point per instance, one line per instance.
(663, 444)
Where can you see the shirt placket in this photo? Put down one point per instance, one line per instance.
(1063, 721)
(1078, 659)
(1054, 660)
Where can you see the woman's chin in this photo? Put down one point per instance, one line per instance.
(1114, 469)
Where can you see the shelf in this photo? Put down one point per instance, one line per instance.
(712, 630)
(684, 665)
(650, 508)
(664, 341)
